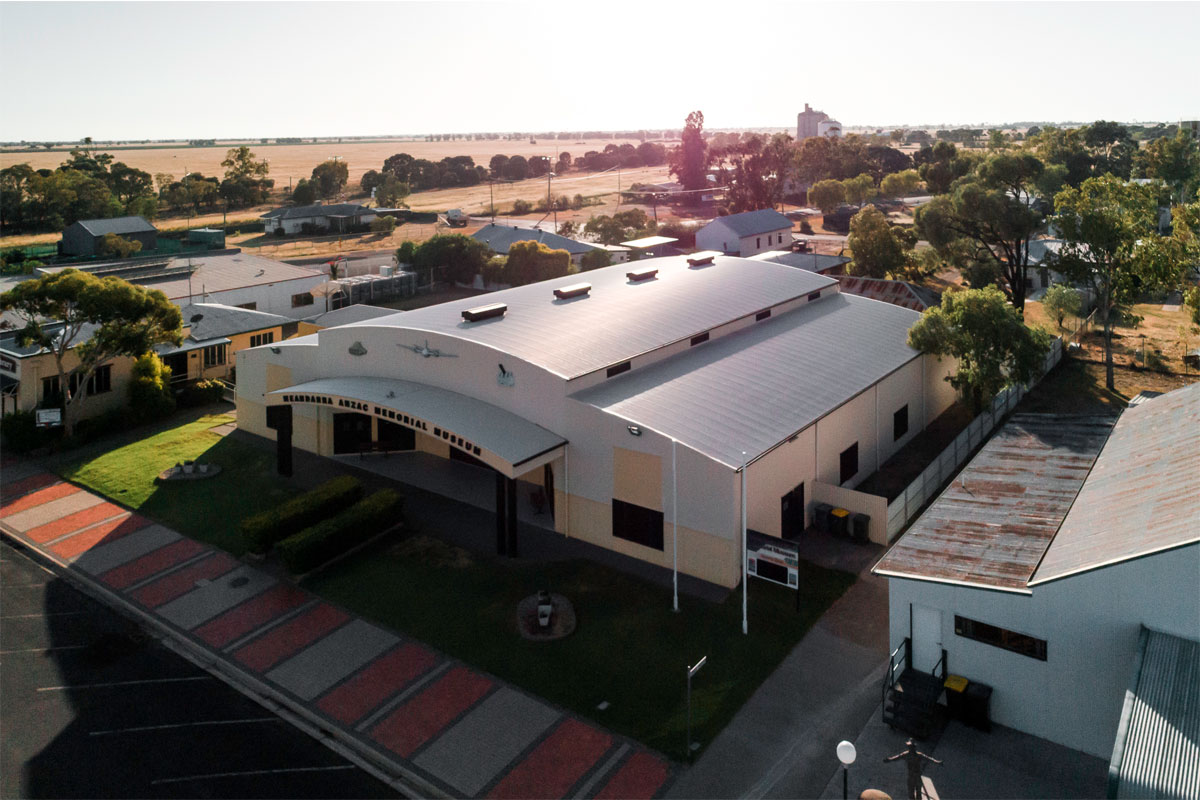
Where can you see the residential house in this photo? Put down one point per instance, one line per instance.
(747, 234)
(333, 218)
(214, 333)
(501, 237)
(29, 377)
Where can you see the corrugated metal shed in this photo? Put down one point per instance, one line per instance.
(813, 262)
(619, 319)
(898, 293)
(753, 389)
(749, 223)
(1143, 494)
(117, 225)
(318, 210)
(225, 272)
(992, 525)
(1157, 748)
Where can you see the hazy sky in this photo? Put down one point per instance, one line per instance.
(156, 70)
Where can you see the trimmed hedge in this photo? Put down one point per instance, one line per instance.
(265, 529)
(314, 546)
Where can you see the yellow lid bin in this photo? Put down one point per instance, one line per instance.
(956, 683)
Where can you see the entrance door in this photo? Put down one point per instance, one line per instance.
(396, 437)
(351, 433)
(791, 510)
(926, 637)
(179, 366)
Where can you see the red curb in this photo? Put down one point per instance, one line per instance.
(177, 584)
(290, 637)
(35, 499)
(72, 523)
(641, 776)
(556, 764)
(355, 698)
(103, 533)
(427, 714)
(26, 485)
(153, 562)
(254, 613)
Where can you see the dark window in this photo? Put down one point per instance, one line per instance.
(781, 238)
(214, 356)
(618, 369)
(999, 637)
(760, 316)
(699, 338)
(101, 380)
(757, 242)
(302, 299)
(249, 306)
(900, 423)
(849, 462)
(814, 296)
(637, 524)
(259, 339)
(99, 383)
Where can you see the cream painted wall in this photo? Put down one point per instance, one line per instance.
(35, 369)
(939, 394)
(841, 428)
(1090, 623)
(776, 474)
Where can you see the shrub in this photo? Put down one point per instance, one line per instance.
(150, 394)
(21, 433)
(263, 530)
(805, 227)
(383, 225)
(280, 232)
(521, 207)
(319, 543)
(202, 393)
(405, 252)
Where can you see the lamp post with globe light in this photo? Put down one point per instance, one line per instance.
(846, 755)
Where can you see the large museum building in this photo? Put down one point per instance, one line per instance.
(634, 395)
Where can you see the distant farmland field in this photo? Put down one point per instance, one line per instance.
(296, 161)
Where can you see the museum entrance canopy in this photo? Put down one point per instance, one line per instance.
(502, 440)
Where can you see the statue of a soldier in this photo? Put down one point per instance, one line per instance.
(912, 759)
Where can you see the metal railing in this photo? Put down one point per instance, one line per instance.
(905, 507)
(900, 659)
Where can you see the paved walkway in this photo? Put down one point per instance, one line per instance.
(441, 726)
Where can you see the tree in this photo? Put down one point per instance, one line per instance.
(758, 167)
(460, 257)
(988, 220)
(404, 253)
(399, 165)
(150, 395)
(1175, 161)
(940, 165)
(305, 193)
(1111, 148)
(385, 224)
(900, 184)
(567, 228)
(391, 192)
(119, 318)
(595, 259)
(988, 338)
(1061, 301)
(530, 261)
(827, 195)
(689, 161)
(240, 164)
(859, 189)
(1109, 229)
(370, 179)
(246, 182)
(876, 248)
(115, 246)
(330, 177)
(128, 183)
(516, 168)
(497, 164)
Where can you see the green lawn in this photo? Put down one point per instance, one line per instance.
(207, 510)
(629, 648)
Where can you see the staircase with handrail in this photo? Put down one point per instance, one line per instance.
(910, 697)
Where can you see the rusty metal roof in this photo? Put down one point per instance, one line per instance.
(1143, 494)
(992, 525)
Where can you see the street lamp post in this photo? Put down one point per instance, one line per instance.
(691, 671)
(846, 755)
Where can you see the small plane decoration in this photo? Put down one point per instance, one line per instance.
(425, 351)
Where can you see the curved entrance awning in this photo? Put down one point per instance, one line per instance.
(502, 440)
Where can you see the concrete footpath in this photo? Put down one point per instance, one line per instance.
(435, 725)
(782, 743)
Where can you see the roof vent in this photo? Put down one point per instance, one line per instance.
(703, 258)
(642, 274)
(484, 312)
(574, 290)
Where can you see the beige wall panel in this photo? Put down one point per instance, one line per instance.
(776, 474)
(856, 503)
(278, 377)
(903, 387)
(428, 444)
(252, 417)
(850, 423)
(939, 394)
(637, 478)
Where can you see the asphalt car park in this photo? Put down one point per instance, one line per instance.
(90, 706)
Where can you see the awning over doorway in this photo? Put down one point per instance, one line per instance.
(510, 444)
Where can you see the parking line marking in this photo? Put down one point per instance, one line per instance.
(161, 781)
(43, 649)
(142, 728)
(123, 683)
(50, 614)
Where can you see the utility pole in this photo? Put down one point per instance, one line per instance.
(492, 199)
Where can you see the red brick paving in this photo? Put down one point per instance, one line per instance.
(427, 714)
(25, 485)
(102, 533)
(640, 776)
(35, 499)
(556, 764)
(151, 563)
(290, 638)
(351, 701)
(73, 522)
(254, 613)
(167, 588)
